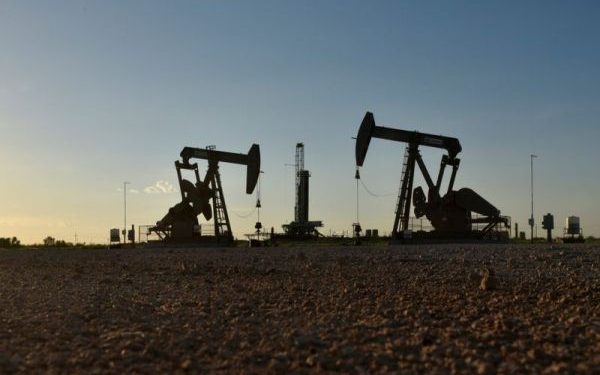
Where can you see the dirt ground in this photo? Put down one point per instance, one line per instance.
(481, 309)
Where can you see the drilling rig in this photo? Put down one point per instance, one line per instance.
(301, 227)
(455, 215)
(180, 224)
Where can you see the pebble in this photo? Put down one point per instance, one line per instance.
(409, 309)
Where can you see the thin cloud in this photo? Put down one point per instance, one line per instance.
(159, 187)
(132, 191)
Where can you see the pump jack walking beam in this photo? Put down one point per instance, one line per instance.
(251, 160)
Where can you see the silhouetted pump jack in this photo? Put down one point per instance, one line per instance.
(451, 214)
(181, 224)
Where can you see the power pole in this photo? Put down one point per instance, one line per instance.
(125, 211)
(531, 219)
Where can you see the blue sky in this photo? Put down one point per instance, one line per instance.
(96, 93)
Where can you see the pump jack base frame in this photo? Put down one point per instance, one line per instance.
(204, 241)
(422, 237)
(578, 239)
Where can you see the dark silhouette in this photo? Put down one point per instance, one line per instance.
(10, 242)
(181, 224)
(301, 227)
(450, 215)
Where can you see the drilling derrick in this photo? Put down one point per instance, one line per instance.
(301, 227)
(299, 167)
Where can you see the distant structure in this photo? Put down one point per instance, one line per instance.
(115, 236)
(548, 225)
(49, 241)
(301, 227)
(180, 225)
(573, 231)
(457, 214)
(372, 233)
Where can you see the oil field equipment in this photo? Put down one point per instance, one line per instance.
(573, 232)
(181, 223)
(452, 215)
(548, 225)
(301, 227)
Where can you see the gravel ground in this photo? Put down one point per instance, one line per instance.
(481, 309)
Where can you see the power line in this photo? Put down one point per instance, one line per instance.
(374, 194)
(244, 216)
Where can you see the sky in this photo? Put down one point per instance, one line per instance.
(95, 93)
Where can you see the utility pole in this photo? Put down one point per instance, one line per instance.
(125, 211)
(531, 219)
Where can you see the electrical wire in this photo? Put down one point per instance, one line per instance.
(256, 207)
(374, 194)
(244, 216)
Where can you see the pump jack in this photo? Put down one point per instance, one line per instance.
(450, 215)
(181, 224)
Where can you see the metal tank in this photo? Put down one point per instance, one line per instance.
(573, 225)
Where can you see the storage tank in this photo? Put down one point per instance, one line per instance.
(115, 235)
(572, 225)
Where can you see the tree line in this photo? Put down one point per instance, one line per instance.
(9, 242)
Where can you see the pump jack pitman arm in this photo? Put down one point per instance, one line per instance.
(251, 160)
(368, 130)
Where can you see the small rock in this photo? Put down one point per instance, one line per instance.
(186, 364)
(308, 341)
(483, 368)
(311, 360)
(488, 280)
